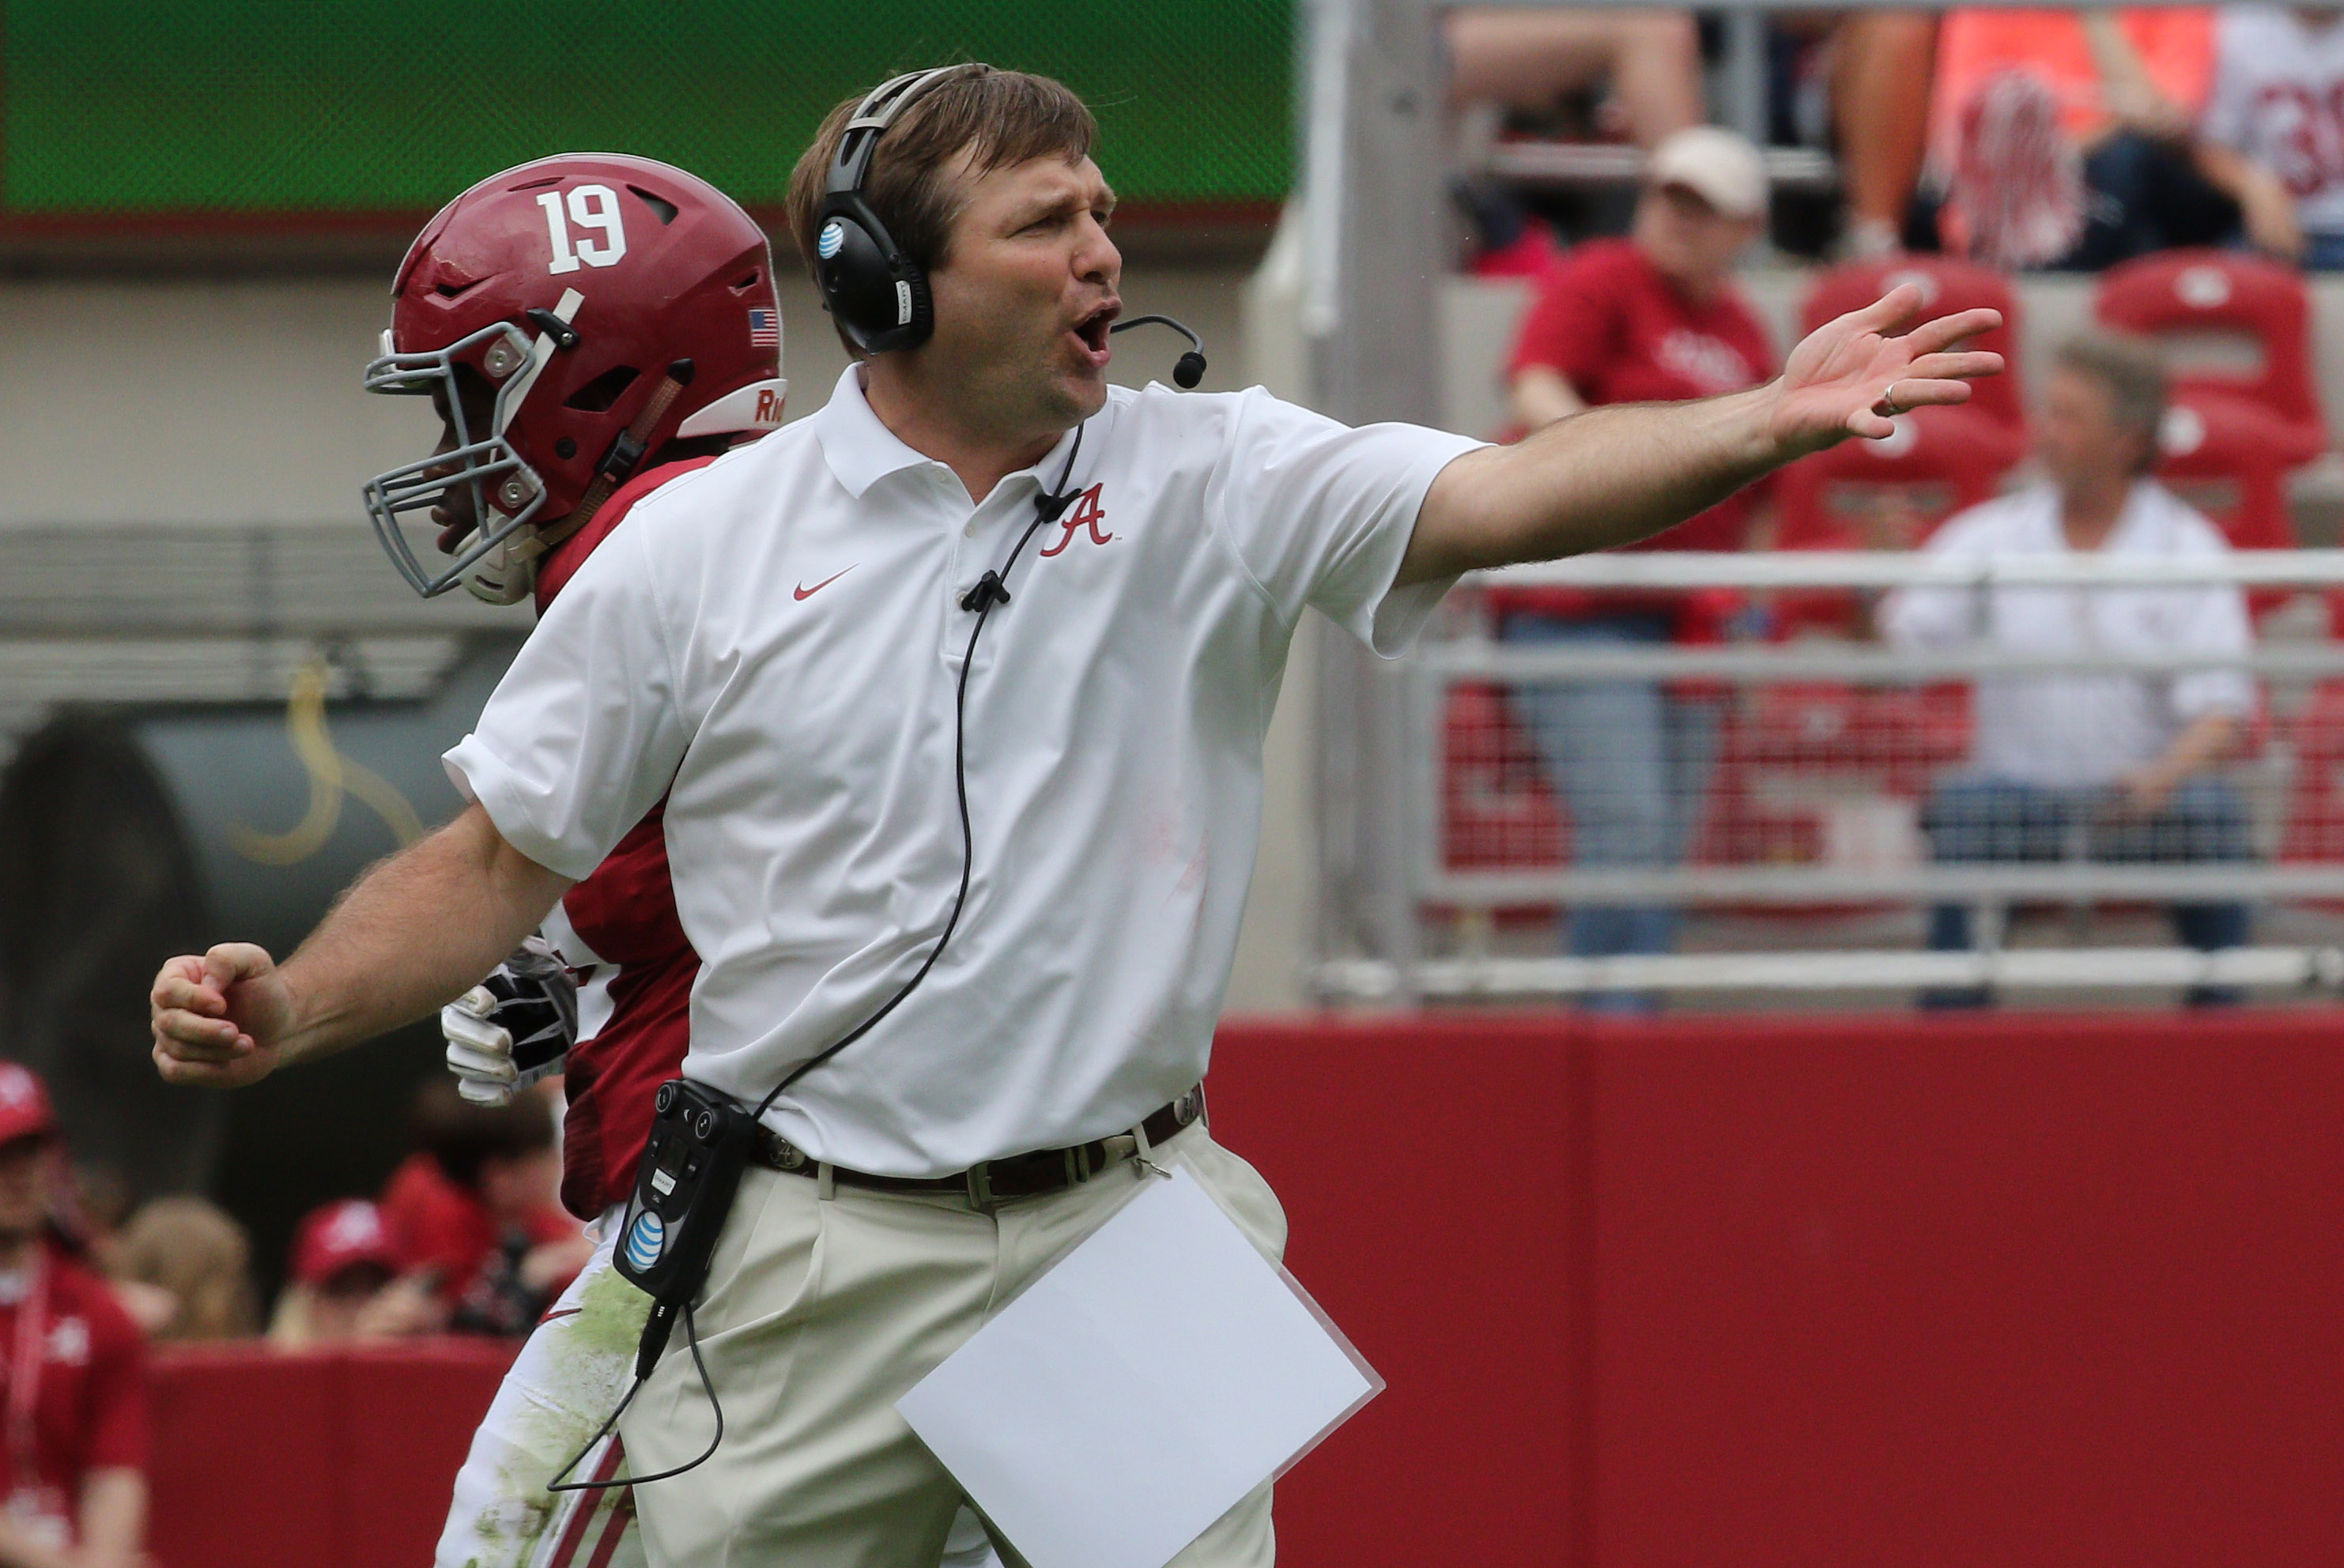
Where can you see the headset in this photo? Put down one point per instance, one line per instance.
(876, 293)
(702, 1141)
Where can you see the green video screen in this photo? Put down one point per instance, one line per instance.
(129, 107)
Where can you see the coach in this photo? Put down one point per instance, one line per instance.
(775, 643)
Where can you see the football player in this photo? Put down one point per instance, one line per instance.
(590, 328)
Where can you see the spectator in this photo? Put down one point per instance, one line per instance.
(479, 1208)
(345, 1286)
(1528, 59)
(1880, 120)
(181, 1266)
(2274, 128)
(2065, 138)
(74, 1464)
(1649, 317)
(2091, 765)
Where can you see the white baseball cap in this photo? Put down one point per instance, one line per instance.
(1717, 165)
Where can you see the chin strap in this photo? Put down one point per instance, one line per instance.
(516, 564)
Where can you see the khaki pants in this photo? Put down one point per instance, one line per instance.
(819, 1315)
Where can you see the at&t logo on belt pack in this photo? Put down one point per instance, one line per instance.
(645, 1239)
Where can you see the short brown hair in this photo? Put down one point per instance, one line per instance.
(2132, 370)
(461, 1136)
(1000, 117)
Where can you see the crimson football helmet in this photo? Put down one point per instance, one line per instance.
(569, 317)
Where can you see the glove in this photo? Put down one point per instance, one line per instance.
(513, 1028)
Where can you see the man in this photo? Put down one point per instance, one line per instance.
(74, 1467)
(2099, 765)
(2273, 132)
(776, 643)
(1651, 317)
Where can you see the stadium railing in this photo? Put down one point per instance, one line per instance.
(1820, 794)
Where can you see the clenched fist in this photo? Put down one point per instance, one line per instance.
(220, 1020)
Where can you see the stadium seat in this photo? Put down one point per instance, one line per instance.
(1829, 773)
(2238, 330)
(2230, 459)
(1940, 461)
(1498, 811)
(1947, 284)
(2314, 832)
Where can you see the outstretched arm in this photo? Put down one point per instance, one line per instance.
(412, 933)
(1614, 475)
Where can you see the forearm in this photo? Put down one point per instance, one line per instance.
(1608, 476)
(2224, 169)
(2263, 198)
(412, 933)
(113, 1518)
(2208, 738)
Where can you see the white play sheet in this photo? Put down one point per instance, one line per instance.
(1161, 1370)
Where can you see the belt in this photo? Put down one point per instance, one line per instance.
(994, 1181)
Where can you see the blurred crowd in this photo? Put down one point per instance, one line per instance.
(2022, 138)
(2193, 159)
(467, 1237)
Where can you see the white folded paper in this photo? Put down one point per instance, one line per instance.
(1140, 1388)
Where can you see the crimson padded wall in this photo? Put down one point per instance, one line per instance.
(2038, 1291)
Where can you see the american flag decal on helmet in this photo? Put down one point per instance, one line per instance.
(764, 329)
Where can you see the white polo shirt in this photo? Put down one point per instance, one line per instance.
(2084, 729)
(773, 641)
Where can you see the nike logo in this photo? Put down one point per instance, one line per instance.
(805, 592)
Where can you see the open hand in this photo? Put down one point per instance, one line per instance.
(1848, 376)
(220, 1020)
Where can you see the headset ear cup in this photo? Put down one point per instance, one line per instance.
(852, 273)
(915, 331)
(881, 301)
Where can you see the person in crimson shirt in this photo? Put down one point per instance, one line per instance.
(73, 1422)
(344, 1285)
(475, 1208)
(1654, 317)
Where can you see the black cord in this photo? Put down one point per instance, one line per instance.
(691, 1339)
(991, 591)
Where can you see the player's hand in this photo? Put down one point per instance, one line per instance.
(220, 1020)
(512, 1029)
(1849, 377)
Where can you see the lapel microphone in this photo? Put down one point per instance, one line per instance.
(1189, 368)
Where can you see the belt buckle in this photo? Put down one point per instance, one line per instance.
(979, 1178)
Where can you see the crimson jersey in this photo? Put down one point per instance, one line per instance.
(1609, 323)
(619, 930)
(86, 1373)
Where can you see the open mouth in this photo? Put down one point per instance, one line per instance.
(1092, 330)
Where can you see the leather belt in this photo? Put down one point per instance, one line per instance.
(996, 1181)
